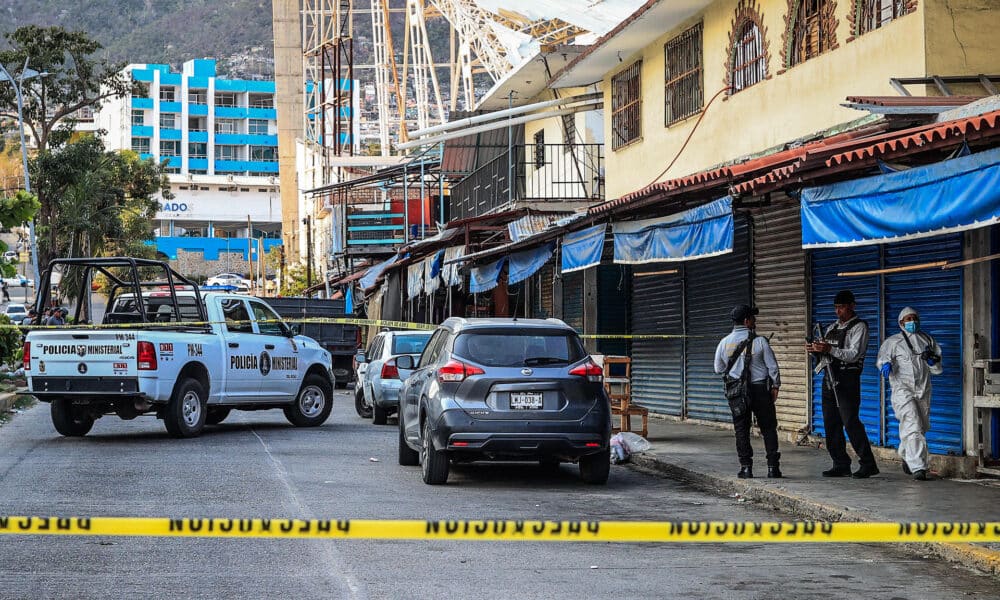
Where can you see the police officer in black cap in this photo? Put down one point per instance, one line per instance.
(764, 382)
(843, 349)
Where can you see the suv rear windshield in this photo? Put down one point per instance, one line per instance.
(520, 347)
(409, 344)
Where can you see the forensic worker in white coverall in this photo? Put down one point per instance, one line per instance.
(908, 359)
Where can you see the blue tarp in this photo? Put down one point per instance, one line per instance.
(582, 249)
(349, 300)
(954, 195)
(372, 274)
(484, 278)
(436, 264)
(524, 264)
(696, 233)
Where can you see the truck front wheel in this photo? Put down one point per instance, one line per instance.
(185, 413)
(69, 420)
(313, 404)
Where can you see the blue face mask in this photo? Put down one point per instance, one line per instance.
(911, 326)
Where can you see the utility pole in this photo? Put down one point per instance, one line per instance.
(309, 250)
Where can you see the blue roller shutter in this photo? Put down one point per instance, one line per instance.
(657, 364)
(825, 264)
(937, 295)
(712, 287)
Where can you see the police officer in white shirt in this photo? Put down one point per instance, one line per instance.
(765, 379)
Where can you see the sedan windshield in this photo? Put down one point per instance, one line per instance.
(520, 348)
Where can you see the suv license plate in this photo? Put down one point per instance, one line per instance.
(526, 400)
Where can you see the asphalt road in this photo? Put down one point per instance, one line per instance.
(256, 465)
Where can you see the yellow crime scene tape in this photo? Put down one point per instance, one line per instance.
(315, 320)
(509, 531)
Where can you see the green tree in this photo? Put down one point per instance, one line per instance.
(104, 203)
(75, 81)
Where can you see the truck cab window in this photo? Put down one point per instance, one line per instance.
(268, 323)
(237, 317)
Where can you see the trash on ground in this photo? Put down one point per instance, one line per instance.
(625, 444)
(373, 459)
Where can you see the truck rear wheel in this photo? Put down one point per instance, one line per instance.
(69, 420)
(313, 403)
(185, 413)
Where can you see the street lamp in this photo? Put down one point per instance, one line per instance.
(17, 84)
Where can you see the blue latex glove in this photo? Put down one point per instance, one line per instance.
(886, 369)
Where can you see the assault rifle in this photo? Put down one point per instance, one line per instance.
(823, 363)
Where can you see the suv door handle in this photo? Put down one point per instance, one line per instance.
(234, 345)
(269, 346)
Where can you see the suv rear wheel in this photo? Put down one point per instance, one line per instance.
(595, 468)
(434, 463)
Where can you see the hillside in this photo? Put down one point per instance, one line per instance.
(236, 32)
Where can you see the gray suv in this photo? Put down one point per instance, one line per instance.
(504, 389)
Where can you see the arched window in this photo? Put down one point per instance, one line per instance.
(812, 28)
(748, 62)
(871, 14)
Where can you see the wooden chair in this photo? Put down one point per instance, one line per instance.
(618, 385)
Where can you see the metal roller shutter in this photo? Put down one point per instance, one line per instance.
(825, 264)
(657, 364)
(712, 287)
(937, 295)
(613, 290)
(780, 294)
(572, 300)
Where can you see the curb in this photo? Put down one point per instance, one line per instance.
(981, 558)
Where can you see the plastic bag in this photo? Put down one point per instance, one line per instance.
(625, 444)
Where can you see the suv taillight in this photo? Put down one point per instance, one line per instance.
(455, 371)
(389, 370)
(589, 370)
(27, 356)
(146, 354)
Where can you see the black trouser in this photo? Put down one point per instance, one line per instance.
(761, 406)
(847, 417)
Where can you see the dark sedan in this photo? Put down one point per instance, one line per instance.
(504, 389)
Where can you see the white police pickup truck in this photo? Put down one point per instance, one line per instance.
(188, 358)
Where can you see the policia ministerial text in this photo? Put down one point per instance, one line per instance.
(531, 531)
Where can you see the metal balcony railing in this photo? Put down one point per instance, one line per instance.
(540, 172)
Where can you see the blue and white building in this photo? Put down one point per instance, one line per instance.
(219, 140)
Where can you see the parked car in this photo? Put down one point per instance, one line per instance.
(376, 393)
(10, 256)
(233, 279)
(504, 389)
(19, 281)
(16, 312)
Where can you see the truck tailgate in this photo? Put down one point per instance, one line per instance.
(83, 353)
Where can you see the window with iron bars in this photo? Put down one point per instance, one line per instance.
(685, 92)
(749, 64)
(140, 145)
(138, 117)
(170, 148)
(626, 119)
(812, 31)
(872, 14)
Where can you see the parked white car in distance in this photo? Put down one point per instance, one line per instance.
(234, 279)
(13, 282)
(10, 256)
(16, 312)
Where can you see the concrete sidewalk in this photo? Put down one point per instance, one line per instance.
(705, 456)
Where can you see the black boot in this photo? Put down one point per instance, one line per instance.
(746, 472)
(773, 472)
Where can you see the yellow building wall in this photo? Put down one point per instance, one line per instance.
(791, 104)
(962, 37)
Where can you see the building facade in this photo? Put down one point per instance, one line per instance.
(218, 140)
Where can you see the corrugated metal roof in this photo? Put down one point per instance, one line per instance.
(465, 154)
(529, 225)
(597, 17)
